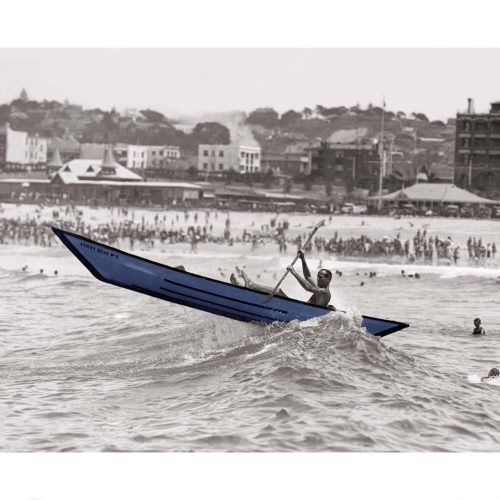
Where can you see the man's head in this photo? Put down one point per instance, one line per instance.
(324, 278)
(477, 321)
(494, 372)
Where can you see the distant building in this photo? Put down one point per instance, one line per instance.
(105, 168)
(431, 196)
(137, 157)
(134, 156)
(477, 148)
(92, 150)
(132, 113)
(36, 150)
(20, 150)
(352, 160)
(293, 161)
(24, 95)
(101, 182)
(223, 158)
(68, 146)
(142, 157)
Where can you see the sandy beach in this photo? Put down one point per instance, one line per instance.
(376, 227)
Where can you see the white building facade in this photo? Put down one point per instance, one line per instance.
(139, 156)
(36, 149)
(222, 158)
(20, 150)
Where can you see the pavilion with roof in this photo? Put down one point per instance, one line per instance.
(432, 195)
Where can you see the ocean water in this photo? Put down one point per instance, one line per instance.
(85, 366)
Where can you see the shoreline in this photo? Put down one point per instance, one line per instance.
(258, 223)
(181, 251)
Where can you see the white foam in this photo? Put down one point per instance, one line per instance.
(395, 269)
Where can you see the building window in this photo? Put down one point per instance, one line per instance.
(243, 154)
(466, 126)
(205, 166)
(221, 166)
(221, 154)
(205, 152)
(481, 126)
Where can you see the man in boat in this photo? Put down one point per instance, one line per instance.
(320, 290)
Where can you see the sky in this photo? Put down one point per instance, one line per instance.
(193, 81)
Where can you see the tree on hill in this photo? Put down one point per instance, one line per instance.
(320, 110)
(307, 113)
(336, 111)
(153, 116)
(290, 117)
(211, 133)
(420, 116)
(267, 117)
(439, 123)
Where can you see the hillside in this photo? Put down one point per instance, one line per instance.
(274, 132)
(52, 118)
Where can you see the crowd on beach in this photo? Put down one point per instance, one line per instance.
(123, 228)
(422, 248)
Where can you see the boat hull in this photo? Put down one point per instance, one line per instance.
(141, 275)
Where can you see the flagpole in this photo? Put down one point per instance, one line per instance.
(381, 158)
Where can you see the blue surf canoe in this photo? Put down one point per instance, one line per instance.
(141, 275)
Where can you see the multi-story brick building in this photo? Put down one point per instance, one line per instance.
(477, 148)
(352, 164)
(293, 161)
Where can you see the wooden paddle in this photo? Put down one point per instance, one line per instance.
(304, 246)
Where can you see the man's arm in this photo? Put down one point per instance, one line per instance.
(306, 285)
(305, 269)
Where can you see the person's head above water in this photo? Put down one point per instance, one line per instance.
(494, 372)
(324, 278)
(477, 321)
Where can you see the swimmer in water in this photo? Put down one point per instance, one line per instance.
(493, 373)
(478, 330)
